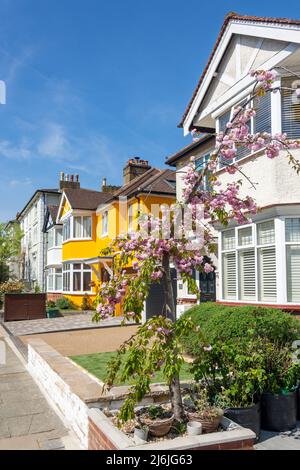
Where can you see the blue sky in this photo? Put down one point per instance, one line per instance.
(91, 83)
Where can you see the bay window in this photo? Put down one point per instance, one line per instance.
(54, 238)
(77, 227)
(54, 280)
(292, 239)
(249, 263)
(77, 277)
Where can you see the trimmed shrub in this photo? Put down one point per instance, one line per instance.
(224, 322)
(63, 303)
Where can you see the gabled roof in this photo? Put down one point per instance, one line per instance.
(85, 199)
(153, 180)
(43, 191)
(173, 159)
(229, 18)
(51, 214)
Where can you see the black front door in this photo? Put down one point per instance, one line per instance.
(208, 287)
(155, 300)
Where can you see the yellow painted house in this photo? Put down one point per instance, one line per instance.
(91, 219)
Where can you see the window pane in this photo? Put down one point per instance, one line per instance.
(50, 239)
(293, 273)
(292, 230)
(77, 266)
(229, 276)
(76, 281)
(223, 120)
(267, 274)
(262, 119)
(77, 230)
(104, 222)
(290, 108)
(247, 275)
(58, 282)
(66, 281)
(245, 236)
(228, 240)
(50, 282)
(87, 277)
(265, 232)
(87, 227)
(58, 233)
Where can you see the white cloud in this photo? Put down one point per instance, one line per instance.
(13, 151)
(18, 182)
(54, 143)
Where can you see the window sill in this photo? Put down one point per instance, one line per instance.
(89, 292)
(77, 240)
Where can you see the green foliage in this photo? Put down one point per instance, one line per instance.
(10, 245)
(155, 411)
(10, 287)
(37, 289)
(51, 304)
(222, 322)
(155, 347)
(63, 303)
(86, 303)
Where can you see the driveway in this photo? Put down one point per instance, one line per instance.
(46, 325)
(89, 341)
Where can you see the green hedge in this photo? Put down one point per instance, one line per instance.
(222, 322)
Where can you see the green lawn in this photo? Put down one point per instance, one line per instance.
(96, 364)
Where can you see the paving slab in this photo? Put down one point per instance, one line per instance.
(46, 325)
(289, 440)
(26, 419)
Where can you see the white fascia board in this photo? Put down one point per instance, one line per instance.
(243, 86)
(103, 207)
(286, 33)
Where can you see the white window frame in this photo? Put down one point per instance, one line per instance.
(253, 246)
(71, 271)
(54, 231)
(54, 274)
(285, 255)
(71, 219)
(104, 223)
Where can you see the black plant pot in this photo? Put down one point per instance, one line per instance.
(298, 403)
(248, 417)
(278, 412)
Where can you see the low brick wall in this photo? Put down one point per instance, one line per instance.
(53, 296)
(103, 435)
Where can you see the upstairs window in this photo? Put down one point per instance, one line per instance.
(201, 164)
(290, 107)
(67, 229)
(82, 227)
(105, 223)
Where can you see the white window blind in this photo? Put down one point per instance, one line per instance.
(245, 236)
(247, 275)
(290, 108)
(104, 222)
(228, 240)
(262, 119)
(266, 233)
(292, 230)
(87, 227)
(267, 274)
(293, 273)
(229, 276)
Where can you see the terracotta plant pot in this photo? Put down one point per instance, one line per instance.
(158, 427)
(209, 424)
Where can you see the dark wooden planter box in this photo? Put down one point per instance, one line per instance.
(24, 306)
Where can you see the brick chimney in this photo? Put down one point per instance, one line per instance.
(68, 181)
(133, 168)
(108, 188)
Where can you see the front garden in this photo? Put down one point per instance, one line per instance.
(244, 368)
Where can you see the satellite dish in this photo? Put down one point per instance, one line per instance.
(2, 92)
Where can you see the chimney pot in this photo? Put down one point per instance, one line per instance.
(72, 177)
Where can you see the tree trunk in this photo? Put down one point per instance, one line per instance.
(170, 312)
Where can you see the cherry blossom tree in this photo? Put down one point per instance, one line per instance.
(157, 344)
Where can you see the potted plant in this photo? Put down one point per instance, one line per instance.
(51, 310)
(234, 377)
(200, 410)
(279, 400)
(158, 420)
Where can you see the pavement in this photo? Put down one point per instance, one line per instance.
(27, 422)
(289, 440)
(67, 323)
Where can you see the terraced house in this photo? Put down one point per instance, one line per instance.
(91, 219)
(258, 263)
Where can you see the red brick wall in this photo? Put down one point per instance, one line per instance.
(100, 441)
(97, 439)
(183, 301)
(53, 296)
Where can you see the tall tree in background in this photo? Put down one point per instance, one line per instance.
(10, 247)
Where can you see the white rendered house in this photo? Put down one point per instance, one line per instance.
(257, 263)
